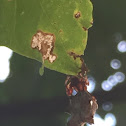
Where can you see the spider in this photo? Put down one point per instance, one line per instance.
(76, 83)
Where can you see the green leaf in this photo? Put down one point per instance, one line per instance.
(67, 20)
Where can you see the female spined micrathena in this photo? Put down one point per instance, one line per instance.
(77, 83)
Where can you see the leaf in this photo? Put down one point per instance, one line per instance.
(82, 109)
(67, 21)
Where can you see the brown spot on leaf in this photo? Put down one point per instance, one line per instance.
(74, 55)
(44, 42)
(91, 23)
(77, 15)
(85, 29)
(60, 31)
(83, 68)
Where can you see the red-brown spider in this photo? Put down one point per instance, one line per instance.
(76, 83)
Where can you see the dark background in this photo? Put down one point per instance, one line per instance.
(27, 99)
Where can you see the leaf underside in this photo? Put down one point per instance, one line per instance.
(67, 20)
